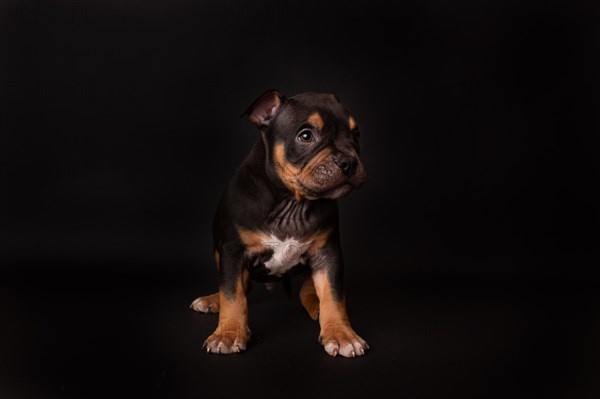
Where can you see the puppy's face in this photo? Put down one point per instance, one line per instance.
(313, 141)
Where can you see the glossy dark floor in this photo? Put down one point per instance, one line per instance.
(114, 334)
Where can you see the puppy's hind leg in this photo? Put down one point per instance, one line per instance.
(209, 303)
(309, 298)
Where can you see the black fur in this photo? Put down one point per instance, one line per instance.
(256, 198)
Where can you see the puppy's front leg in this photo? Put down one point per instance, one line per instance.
(232, 333)
(336, 336)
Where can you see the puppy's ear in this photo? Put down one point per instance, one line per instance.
(262, 110)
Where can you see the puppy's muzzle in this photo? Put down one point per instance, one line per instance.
(346, 163)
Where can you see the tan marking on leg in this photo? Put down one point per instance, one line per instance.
(316, 120)
(232, 332)
(253, 240)
(337, 336)
(319, 239)
(309, 298)
(332, 311)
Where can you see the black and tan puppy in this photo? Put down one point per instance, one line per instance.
(279, 217)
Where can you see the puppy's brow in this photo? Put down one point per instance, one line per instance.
(351, 123)
(316, 120)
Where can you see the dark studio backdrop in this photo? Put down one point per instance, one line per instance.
(470, 252)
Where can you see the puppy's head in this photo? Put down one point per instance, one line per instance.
(312, 142)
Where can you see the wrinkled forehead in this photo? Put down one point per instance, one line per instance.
(322, 111)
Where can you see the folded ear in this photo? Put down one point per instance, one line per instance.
(262, 110)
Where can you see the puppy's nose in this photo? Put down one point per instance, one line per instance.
(346, 163)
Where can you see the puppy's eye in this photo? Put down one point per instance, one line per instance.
(306, 136)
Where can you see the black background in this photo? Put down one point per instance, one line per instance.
(470, 253)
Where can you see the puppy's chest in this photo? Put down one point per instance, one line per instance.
(287, 237)
(286, 253)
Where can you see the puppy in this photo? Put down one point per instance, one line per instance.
(278, 217)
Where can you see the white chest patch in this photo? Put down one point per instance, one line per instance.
(286, 253)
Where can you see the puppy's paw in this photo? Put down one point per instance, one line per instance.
(228, 338)
(206, 304)
(342, 339)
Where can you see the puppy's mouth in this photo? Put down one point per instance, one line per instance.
(327, 175)
(327, 181)
(336, 192)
